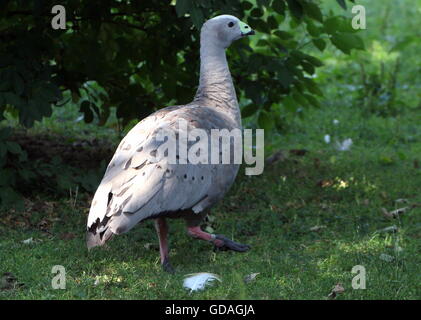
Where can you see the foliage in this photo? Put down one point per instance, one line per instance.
(143, 54)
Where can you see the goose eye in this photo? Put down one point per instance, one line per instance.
(231, 24)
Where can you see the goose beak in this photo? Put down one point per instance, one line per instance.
(250, 33)
(245, 29)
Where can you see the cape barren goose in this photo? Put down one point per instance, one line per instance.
(135, 187)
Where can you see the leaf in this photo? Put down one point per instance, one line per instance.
(347, 41)
(312, 29)
(313, 11)
(279, 6)
(314, 61)
(249, 110)
(13, 147)
(272, 22)
(342, 3)
(309, 68)
(182, 7)
(320, 44)
(283, 34)
(295, 8)
(331, 25)
(197, 17)
(246, 5)
(285, 77)
(312, 87)
(256, 13)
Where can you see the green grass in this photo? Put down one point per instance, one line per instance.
(272, 212)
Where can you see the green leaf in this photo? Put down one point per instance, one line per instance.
(320, 44)
(313, 11)
(312, 29)
(285, 77)
(283, 35)
(309, 68)
(13, 147)
(197, 17)
(256, 13)
(342, 3)
(347, 41)
(246, 5)
(272, 22)
(295, 8)
(312, 87)
(182, 7)
(313, 60)
(249, 110)
(279, 6)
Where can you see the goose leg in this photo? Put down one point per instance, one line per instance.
(220, 242)
(162, 231)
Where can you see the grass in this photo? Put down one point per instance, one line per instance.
(343, 192)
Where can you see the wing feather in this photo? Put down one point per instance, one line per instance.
(136, 187)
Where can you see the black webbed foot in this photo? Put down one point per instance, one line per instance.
(167, 267)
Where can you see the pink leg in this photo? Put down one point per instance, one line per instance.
(197, 233)
(221, 242)
(162, 231)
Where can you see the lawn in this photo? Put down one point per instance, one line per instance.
(309, 219)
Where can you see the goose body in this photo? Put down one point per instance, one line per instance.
(140, 185)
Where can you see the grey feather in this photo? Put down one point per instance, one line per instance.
(135, 188)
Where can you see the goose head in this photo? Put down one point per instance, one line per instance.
(225, 29)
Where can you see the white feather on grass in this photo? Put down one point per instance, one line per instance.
(198, 281)
(344, 145)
